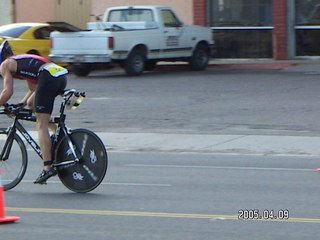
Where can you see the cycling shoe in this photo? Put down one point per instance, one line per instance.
(45, 175)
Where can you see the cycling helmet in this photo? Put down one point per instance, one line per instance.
(5, 51)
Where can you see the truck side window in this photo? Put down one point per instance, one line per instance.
(169, 19)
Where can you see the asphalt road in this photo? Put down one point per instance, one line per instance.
(174, 195)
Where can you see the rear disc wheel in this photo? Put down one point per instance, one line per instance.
(90, 171)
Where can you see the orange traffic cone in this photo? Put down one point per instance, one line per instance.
(3, 217)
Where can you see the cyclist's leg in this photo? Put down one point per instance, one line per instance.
(45, 145)
(44, 138)
(48, 89)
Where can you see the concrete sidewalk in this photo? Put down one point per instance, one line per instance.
(224, 144)
(259, 64)
(303, 66)
(291, 64)
(218, 144)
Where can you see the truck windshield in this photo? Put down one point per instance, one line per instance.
(131, 15)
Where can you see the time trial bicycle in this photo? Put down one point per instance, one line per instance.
(79, 155)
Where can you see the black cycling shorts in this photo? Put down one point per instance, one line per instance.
(48, 88)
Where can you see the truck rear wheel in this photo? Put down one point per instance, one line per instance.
(134, 65)
(200, 58)
(81, 70)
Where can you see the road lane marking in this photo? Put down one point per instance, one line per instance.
(121, 213)
(226, 168)
(99, 98)
(154, 214)
(114, 183)
(118, 149)
(141, 184)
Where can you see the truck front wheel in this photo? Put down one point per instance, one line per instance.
(134, 65)
(200, 58)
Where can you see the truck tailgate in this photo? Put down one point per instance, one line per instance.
(80, 43)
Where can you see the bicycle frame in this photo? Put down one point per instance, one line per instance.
(28, 138)
(11, 131)
(17, 126)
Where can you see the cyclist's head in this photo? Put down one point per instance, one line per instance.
(5, 51)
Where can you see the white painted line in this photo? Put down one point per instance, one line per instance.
(225, 168)
(99, 98)
(113, 183)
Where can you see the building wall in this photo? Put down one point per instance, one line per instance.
(62, 10)
(6, 12)
(75, 12)
(34, 10)
(189, 11)
(183, 8)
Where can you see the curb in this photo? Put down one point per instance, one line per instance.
(247, 64)
(253, 66)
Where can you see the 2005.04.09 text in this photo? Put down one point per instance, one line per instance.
(255, 214)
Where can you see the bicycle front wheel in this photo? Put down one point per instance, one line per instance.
(13, 159)
(90, 171)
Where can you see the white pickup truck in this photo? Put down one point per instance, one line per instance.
(135, 37)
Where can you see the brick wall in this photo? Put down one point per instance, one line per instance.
(199, 12)
(280, 35)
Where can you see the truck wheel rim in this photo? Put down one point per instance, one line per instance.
(138, 63)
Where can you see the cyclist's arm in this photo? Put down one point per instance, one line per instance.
(28, 99)
(6, 69)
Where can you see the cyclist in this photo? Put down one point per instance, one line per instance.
(45, 80)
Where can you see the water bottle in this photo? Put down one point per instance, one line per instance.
(75, 100)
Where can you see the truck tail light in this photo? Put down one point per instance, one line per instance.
(111, 42)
